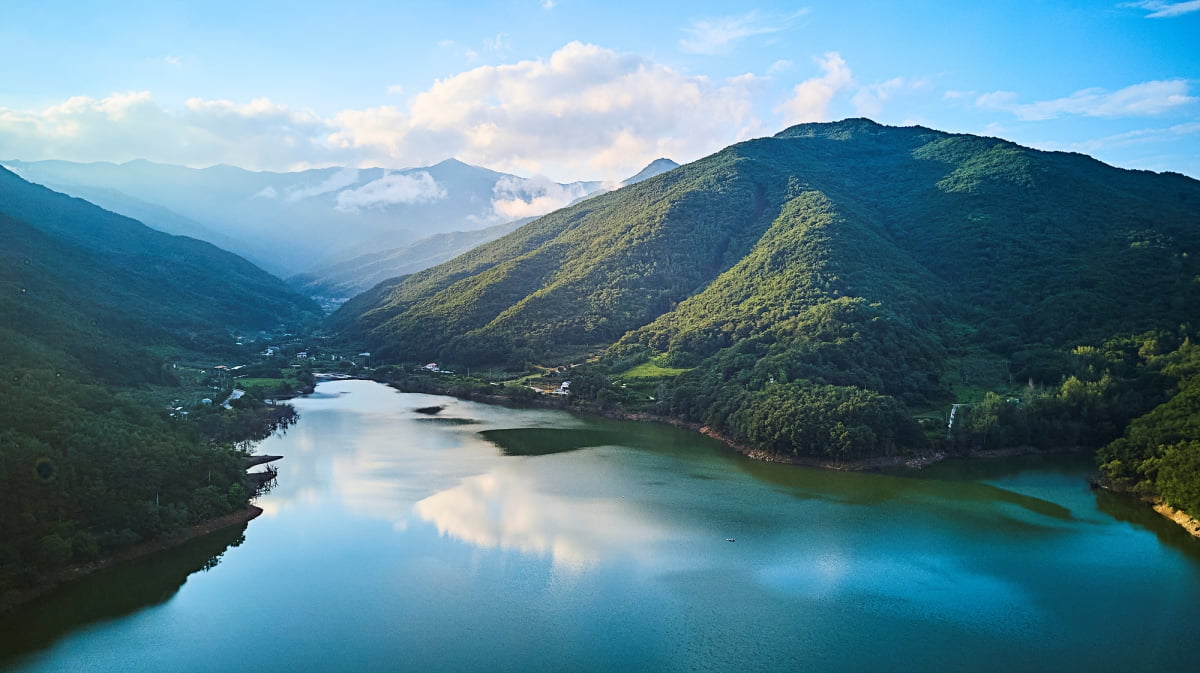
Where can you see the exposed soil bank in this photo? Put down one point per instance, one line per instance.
(17, 597)
(1189, 523)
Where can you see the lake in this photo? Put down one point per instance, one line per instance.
(494, 539)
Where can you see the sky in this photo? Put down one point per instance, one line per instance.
(577, 90)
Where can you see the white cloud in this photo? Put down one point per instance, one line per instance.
(380, 129)
(338, 180)
(869, 100)
(498, 44)
(391, 189)
(125, 126)
(1136, 137)
(811, 98)
(719, 35)
(779, 66)
(514, 198)
(116, 128)
(1137, 100)
(1159, 9)
(585, 112)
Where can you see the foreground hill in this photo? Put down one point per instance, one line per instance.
(810, 293)
(86, 272)
(94, 304)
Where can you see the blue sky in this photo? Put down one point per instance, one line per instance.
(584, 90)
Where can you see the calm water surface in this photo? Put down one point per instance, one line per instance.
(494, 539)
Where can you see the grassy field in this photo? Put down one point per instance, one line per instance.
(265, 386)
(649, 370)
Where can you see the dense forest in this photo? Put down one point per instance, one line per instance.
(100, 315)
(831, 291)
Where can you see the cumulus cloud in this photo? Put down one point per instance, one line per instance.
(391, 189)
(102, 128)
(514, 198)
(125, 126)
(1159, 9)
(719, 35)
(1137, 100)
(811, 98)
(585, 112)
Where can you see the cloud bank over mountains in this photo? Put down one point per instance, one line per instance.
(583, 112)
(391, 189)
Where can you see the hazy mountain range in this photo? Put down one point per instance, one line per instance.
(345, 279)
(290, 223)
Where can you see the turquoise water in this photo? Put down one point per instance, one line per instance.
(494, 539)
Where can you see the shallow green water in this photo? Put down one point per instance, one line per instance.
(494, 539)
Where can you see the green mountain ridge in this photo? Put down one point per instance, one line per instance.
(863, 270)
(95, 305)
(149, 286)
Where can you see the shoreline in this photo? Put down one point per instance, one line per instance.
(1189, 523)
(16, 597)
(913, 462)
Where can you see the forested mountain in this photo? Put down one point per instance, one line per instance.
(348, 278)
(815, 291)
(297, 221)
(93, 304)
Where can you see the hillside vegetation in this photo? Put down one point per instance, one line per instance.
(96, 306)
(832, 290)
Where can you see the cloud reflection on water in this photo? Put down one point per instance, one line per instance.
(535, 507)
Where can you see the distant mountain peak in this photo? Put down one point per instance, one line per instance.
(657, 167)
(661, 162)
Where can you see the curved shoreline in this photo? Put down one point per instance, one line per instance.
(913, 461)
(16, 597)
(917, 461)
